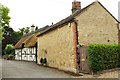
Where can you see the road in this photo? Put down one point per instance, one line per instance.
(23, 69)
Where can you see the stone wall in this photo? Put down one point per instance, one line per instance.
(57, 47)
(96, 25)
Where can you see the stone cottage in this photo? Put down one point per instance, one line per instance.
(59, 44)
(26, 47)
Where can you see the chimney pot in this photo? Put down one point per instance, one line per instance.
(76, 5)
(32, 28)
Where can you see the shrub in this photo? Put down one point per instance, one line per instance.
(104, 56)
(9, 49)
(9, 52)
(9, 56)
(5, 56)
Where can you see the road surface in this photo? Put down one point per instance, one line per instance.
(23, 69)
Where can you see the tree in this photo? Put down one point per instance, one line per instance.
(27, 29)
(4, 19)
(8, 37)
(7, 34)
(1, 33)
(17, 36)
(24, 30)
(0, 48)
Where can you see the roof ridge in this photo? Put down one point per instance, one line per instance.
(108, 11)
(36, 31)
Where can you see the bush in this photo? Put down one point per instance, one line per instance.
(103, 56)
(9, 57)
(9, 49)
(9, 52)
(5, 56)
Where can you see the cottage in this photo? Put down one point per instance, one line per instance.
(26, 47)
(59, 44)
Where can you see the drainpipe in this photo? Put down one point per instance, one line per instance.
(75, 41)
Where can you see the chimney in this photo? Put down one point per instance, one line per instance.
(76, 5)
(32, 28)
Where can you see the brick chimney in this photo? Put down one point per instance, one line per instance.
(76, 5)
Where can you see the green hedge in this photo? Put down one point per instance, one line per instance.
(103, 56)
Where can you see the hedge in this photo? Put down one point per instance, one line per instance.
(104, 56)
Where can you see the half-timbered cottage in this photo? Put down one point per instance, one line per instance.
(26, 47)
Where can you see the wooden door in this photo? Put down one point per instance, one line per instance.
(83, 53)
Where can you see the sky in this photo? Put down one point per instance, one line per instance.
(24, 13)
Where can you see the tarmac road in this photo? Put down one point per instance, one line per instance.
(23, 69)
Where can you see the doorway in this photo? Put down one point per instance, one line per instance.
(83, 65)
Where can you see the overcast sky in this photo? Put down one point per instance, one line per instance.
(24, 13)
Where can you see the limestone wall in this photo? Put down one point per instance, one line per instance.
(57, 47)
(95, 25)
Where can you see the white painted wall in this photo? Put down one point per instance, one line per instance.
(28, 54)
(18, 54)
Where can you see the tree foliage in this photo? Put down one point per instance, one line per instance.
(1, 33)
(4, 19)
(17, 36)
(9, 49)
(24, 30)
(8, 37)
(7, 34)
